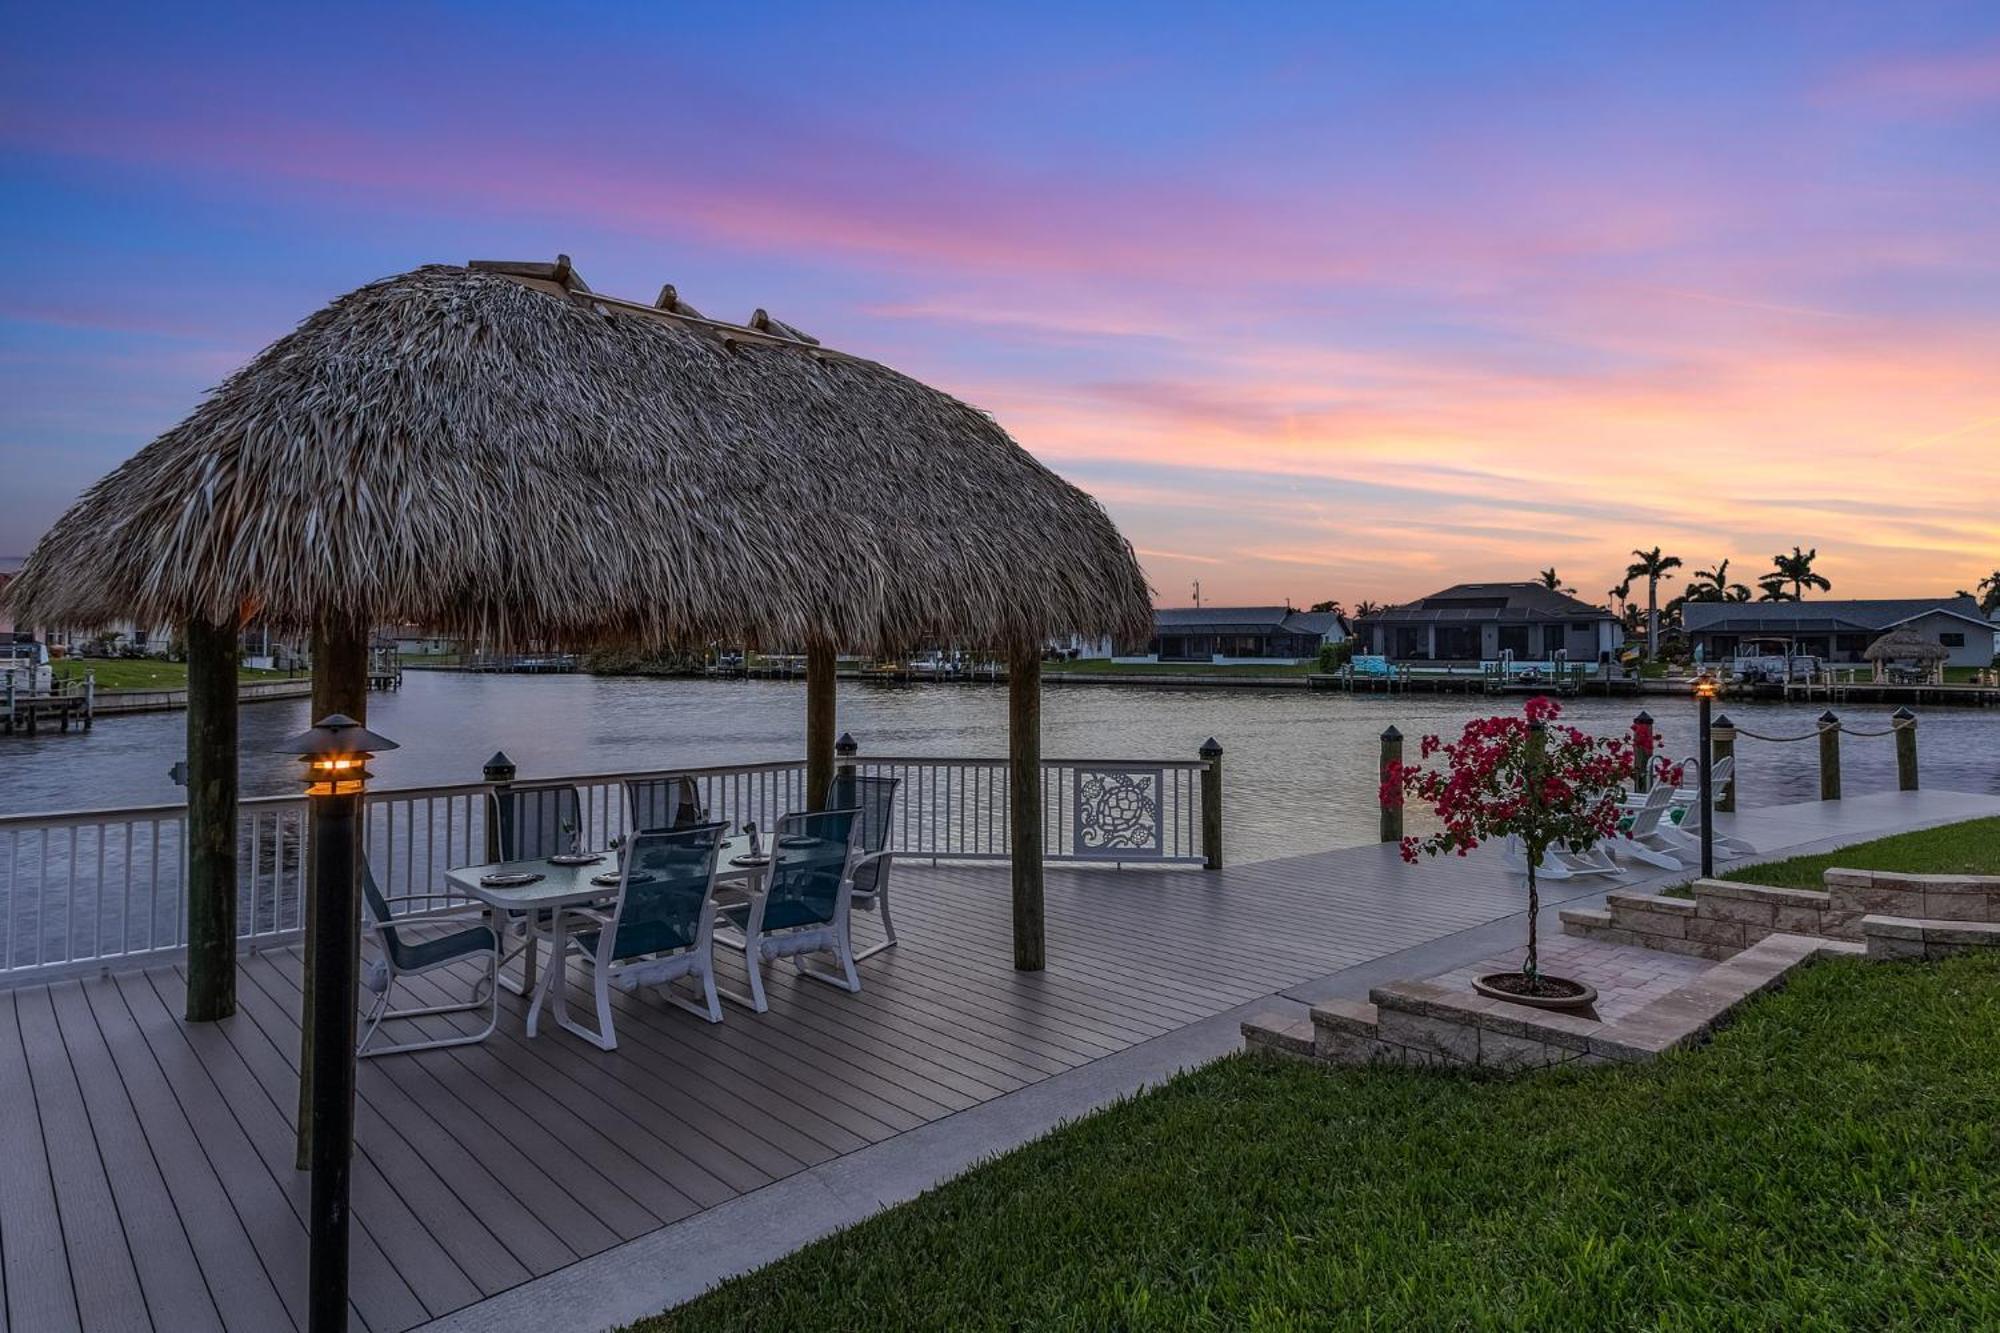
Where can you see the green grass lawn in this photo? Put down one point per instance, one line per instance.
(146, 673)
(1830, 1161)
(1969, 848)
(1104, 666)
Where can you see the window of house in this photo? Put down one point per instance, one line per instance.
(1952, 640)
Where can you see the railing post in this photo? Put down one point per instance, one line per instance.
(1905, 723)
(499, 771)
(1829, 756)
(1642, 750)
(1392, 803)
(1724, 732)
(1211, 805)
(844, 751)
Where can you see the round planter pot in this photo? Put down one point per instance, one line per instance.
(1584, 997)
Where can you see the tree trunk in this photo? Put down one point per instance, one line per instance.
(1024, 802)
(211, 820)
(1533, 967)
(340, 685)
(1653, 619)
(820, 692)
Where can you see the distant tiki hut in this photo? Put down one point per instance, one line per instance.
(499, 451)
(1905, 645)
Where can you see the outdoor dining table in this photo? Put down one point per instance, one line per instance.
(563, 886)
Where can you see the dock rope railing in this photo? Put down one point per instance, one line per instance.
(1827, 730)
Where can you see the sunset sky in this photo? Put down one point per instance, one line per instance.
(1336, 301)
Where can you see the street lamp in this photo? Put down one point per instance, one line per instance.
(1706, 687)
(336, 755)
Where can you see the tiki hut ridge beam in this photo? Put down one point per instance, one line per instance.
(497, 450)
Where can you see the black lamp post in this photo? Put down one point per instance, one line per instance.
(1706, 687)
(336, 754)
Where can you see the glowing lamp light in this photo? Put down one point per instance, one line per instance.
(1706, 686)
(336, 755)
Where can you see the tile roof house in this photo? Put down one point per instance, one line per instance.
(1482, 622)
(1840, 631)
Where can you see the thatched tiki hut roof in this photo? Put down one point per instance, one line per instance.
(1903, 645)
(499, 451)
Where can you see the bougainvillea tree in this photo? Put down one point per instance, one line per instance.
(1528, 777)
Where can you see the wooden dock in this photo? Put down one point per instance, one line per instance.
(148, 1178)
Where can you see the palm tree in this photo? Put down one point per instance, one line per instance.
(1795, 569)
(1713, 585)
(1771, 588)
(1551, 580)
(1652, 567)
(1989, 588)
(1366, 608)
(1331, 604)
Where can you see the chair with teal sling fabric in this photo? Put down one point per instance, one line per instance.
(535, 820)
(802, 907)
(401, 956)
(663, 803)
(875, 798)
(660, 931)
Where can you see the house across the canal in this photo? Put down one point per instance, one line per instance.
(1841, 631)
(1240, 634)
(1484, 622)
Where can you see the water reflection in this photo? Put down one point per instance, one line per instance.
(1300, 766)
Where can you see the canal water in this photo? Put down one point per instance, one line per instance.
(1300, 766)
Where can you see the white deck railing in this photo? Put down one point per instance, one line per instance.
(90, 890)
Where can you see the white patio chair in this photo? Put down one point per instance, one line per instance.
(1683, 829)
(660, 931)
(875, 798)
(402, 957)
(803, 906)
(1645, 834)
(1559, 862)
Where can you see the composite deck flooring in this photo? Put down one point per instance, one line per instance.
(147, 1177)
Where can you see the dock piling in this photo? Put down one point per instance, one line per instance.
(1211, 804)
(1723, 733)
(1391, 801)
(1905, 723)
(1642, 752)
(1829, 756)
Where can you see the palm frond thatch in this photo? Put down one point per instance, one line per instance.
(1902, 645)
(495, 450)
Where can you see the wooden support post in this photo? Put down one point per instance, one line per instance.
(1024, 801)
(1829, 756)
(1391, 802)
(1211, 805)
(340, 685)
(1905, 723)
(819, 723)
(211, 820)
(1724, 732)
(1642, 752)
